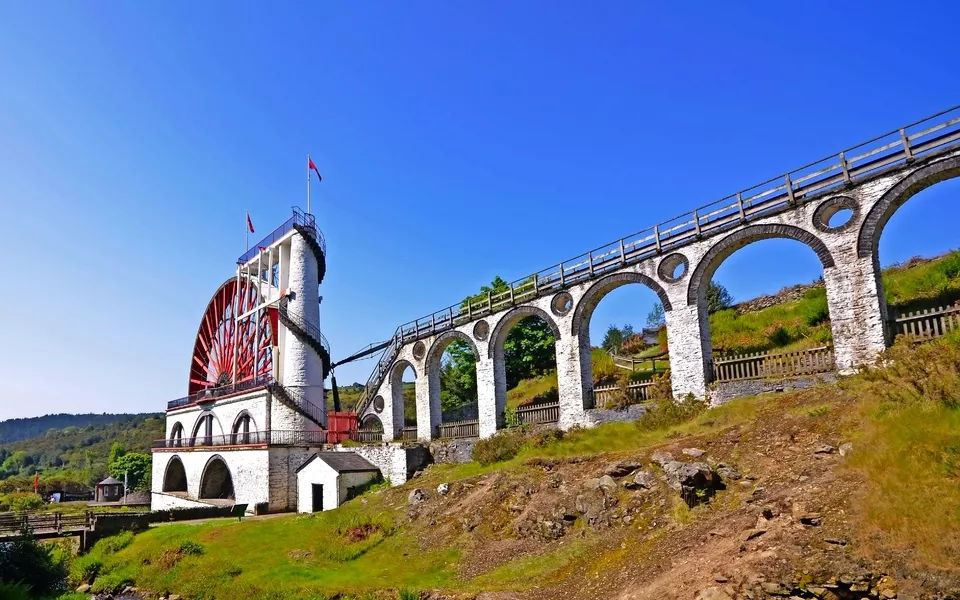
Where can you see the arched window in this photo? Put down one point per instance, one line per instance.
(203, 431)
(176, 435)
(242, 428)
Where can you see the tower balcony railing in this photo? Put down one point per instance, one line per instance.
(216, 393)
(299, 218)
(248, 438)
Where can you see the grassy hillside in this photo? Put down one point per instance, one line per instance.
(74, 457)
(884, 510)
(14, 430)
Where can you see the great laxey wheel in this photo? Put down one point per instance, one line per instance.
(221, 340)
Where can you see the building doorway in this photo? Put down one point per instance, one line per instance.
(317, 497)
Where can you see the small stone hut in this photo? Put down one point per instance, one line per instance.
(328, 479)
(109, 490)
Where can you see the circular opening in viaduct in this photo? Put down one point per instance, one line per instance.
(561, 304)
(673, 267)
(378, 404)
(836, 214)
(481, 330)
(419, 349)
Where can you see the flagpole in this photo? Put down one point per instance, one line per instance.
(246, 230)
(308, 184)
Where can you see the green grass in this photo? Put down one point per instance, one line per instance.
(529, 389)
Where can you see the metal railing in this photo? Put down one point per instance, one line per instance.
(604, 396)
(459, 429)
(933, 322)
(299, 218)
(366, 435)
(308, 328)
(216, 393)
(923, 138)
(298, 402)
(537, 414)
(44, 522)
(251, 438)
(762, 365)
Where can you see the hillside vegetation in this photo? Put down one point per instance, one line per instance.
(854, 485)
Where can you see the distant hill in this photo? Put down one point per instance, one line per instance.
(14, 430)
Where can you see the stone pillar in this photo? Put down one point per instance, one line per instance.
(857, 310)
(490, 405)
(689, 351)
(392, 416)
(570, 382)
(428, 412)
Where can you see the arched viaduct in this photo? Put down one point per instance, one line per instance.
(676, 260)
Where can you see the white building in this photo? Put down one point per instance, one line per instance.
(328, 479)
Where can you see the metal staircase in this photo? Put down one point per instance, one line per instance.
(307, 332)
(298, 404)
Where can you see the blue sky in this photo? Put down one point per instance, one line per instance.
(458, 141)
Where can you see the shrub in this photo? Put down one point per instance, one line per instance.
(190, 548)
(116, 543)
(950, 265)
(779, 336)
(111, 583)
(85, 569)
(14, 591)
(927, 373)
(621, 397)
(815, 310)
(406, 594)
(24, 501)
(503, 445)
(545, 437)
(604, 368)
(668, 412)
(26, 560)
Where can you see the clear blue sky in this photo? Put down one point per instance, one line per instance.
(458, 141)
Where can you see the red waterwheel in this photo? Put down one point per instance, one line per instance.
(221, 341)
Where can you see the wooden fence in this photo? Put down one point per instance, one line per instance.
(604, 396)
(460, 429)
(367, 435)
(408, 433)
(642, 364)
(774, 364)
(933, 322)
(537, 414)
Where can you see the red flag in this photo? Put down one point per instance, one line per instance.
(36, 483)
(314, 167)
(249, 223)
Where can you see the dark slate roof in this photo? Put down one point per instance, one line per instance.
(110, 481)
(342, 462)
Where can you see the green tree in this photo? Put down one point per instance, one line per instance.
(458, 376)
(17, 462)
(136, 466)
(116, 451)
(656, 318)
(718, 298)
(613, 340)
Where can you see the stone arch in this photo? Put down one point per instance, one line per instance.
(596, 292)
(431, 366)
(443, 340)
(510, 319)
(206, 426)
(371, 422)
(176, 434)
(897, 196)
(174, 476)
(396, 389)
(243, 426)
(216, 482)
(707, 266)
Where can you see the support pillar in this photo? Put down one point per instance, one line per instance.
(570, 382)
(690, 354)
(490, 405)
(428, 411)
(857, 311)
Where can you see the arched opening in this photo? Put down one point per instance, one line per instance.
(761, 290)
(403, 386)
(176, 435)
(910, 235)
(621, 323)
(371, 423)
(216, 483)
(206, 431)
(242, 428)
(175, 477)
(524, 360)
(451, 365)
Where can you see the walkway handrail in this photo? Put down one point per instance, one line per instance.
(310, 329)
(215, 393)
(922, 138)
(299, 218)
(251, 438)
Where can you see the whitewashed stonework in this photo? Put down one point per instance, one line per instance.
(336, 485)
(847, 252)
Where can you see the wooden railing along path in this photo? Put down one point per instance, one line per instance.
(459, 429)
(933, 322)
(639, 392)
(13, 523)
(641, 364)
(762, 365)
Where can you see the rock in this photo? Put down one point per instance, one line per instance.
(687, 478)
(812, 519)
(728, 471)
(746, 484)
(774, 589)
(592, 484)
(754, 533)
(416, 496)
(846, 449)
(622, 468)
(443, 489)
(835, 541)
(694, 452)
(642, 480)
(660, 458)
(581, 505)
(712, 593)
(607, 485)
(825, 449)
(550, 530)
(173, 597)
(83, 589)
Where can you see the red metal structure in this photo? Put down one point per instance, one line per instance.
(224, 341)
